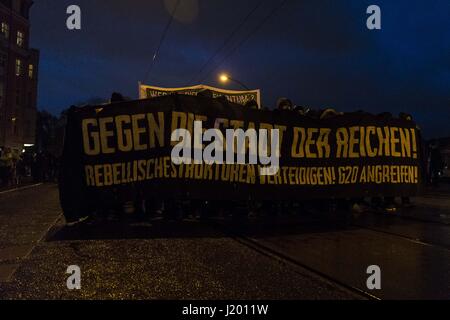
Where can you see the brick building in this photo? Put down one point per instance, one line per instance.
(18, 76)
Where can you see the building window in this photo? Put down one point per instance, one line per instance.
(5, 30)
(20, 38)
(18, 67)
(30, 71)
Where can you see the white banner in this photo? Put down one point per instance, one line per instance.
(240, 97)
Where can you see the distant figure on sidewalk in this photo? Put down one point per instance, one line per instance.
(436, 163)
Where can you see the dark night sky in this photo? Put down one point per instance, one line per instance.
(317, 52)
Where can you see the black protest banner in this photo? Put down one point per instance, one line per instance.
(118, 151)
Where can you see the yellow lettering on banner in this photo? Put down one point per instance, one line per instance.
(123, 171)
(179, 121)
(116, 173)
(412, 176)
(189, 171)
(198, 171)
(277, 178)
(341, 143)
(126, 144)
(323, 146)
(202, 118)
(251, 175)
(159, 168)
(352, 143)
(141, 168)
(406, 142)
(225, 174)
(362, 146)
(384, 141)
(291, 175)
(413, 142)
(370, 152)
(328, 175)
(88, 137)
(138, 131)
(385, 174)
(208, 172)
(234, 173)
(269, 179)
(395, 140)
(309, 142)
(129, 177)
(89, 172)
(173, 170)
(105, 134)
(363, 178)
(149, 170)
(242, 172)
(98, 176)
(284, 174)
(108, 175)
(166, 167)
(156, 130)
(135, 171)
(237, 124)
(297, 150)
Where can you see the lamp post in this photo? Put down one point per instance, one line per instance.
(225, 78)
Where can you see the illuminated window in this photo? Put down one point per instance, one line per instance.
(20, 38)
(5, 30)
(30, 71)
(18, 67)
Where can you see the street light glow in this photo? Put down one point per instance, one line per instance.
(224, 78)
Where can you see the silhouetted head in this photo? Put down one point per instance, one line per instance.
(116, 97)
(252, 104)
(205, 93)
(405, 116)
(284, 104)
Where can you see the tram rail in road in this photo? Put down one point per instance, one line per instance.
(341, 254)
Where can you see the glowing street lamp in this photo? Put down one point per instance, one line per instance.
(225, 78)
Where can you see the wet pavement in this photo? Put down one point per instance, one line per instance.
(158, 260)
(308, 256)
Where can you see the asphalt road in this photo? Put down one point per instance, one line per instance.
(289, 257)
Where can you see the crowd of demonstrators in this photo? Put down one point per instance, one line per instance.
(44, 167)
(435, 163)
(7, 167)
(152, 206)
(16, 167)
